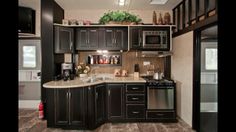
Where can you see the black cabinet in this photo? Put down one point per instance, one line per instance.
(135, 101)
(102, 38)
(135, 38)
(63, 39)
(68, 107)
(116, 39)
(87, 38)
(100, 104)
(115, 102)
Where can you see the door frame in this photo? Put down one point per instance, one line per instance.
(197, 75)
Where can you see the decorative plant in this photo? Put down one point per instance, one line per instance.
(83, 69)
(119, 16)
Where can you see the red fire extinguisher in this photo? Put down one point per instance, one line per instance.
(41, 115)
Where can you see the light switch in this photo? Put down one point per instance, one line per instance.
(145, 63)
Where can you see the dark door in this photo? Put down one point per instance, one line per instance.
(61, 107)
(109, 38)
(120, 38)
(63, 39)
(115, 101)
(100, 104)
(136, 38)
(81, 39)
(77, 106)
(93, 39)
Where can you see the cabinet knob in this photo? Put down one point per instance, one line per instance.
(135, 112)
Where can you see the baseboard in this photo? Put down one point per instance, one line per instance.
(28, 104)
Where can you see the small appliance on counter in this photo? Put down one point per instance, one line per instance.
(67, 71)
(136, 70)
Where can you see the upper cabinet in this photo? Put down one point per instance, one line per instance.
(103, 38)
(87, 38)
(63, 39)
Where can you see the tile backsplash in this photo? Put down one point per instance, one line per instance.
(129, 59)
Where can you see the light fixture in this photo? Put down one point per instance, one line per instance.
(121, 2)
(158, 2)
(102, 51)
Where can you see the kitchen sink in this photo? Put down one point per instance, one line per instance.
(95, 79)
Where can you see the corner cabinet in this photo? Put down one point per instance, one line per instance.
(66, 108)
(63, 39)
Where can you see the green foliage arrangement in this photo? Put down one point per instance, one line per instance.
(118, 16)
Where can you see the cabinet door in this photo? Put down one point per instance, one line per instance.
(120, 39)
(63, 39)
(109, 39)
(81, 39)
(61, 107)
(93, 39)
(100, 91)
(115, 101)
(136, 37)
(77, 107)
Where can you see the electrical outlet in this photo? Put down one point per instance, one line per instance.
(145, 63)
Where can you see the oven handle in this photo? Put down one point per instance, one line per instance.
(147, 97)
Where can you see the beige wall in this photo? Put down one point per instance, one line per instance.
(94, 15)
(128, 61)
(182, 72)
(34, 4)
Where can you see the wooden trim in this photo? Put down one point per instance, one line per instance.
(178, 19)
(197, 9)
(189, 12)
(206, 7)
(209, 20)
(183, 14)
(174, 16)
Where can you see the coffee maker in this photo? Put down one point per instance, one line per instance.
(67, 71)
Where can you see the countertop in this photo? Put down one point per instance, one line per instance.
(88, 81)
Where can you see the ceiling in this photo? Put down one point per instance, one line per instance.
(113, 4)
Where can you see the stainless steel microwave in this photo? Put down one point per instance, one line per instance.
(156, 40)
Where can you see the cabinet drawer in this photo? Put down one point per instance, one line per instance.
(135, 98)
(135, 111)
(135, 88)
(160, 115)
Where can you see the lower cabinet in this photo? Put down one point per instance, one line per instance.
(115, 102)
(96, 106)
(67, 108)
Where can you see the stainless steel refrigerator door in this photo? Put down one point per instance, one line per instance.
(160, 98)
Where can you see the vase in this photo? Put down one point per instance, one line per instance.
(83, 75)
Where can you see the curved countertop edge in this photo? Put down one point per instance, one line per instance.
(78, 83)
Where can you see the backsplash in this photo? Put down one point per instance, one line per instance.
(129, 59)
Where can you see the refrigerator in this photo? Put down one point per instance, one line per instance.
(29, 76)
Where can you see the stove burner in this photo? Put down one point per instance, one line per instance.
(159, 83)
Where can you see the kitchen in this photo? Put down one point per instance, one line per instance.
(164, 62)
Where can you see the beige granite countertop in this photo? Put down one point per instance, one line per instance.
(83, 82)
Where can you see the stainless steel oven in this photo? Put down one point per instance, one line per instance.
(160, 97)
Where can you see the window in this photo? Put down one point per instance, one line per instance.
(29, 56)
(211, 59)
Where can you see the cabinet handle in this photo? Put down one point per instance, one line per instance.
(89, 88)
(70, 45)
(139, 41)
(134, 98)
(135, 112)
(159, 114)
(115, 41)
(109, 92)
(96, 96)
(69, 95)
(134, 88)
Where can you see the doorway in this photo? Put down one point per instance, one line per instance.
(205, 85)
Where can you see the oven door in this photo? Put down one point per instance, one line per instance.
(160, 98)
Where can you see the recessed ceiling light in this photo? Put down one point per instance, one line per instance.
(159, 2)
(121, 2)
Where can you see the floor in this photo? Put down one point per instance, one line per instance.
(29, 122)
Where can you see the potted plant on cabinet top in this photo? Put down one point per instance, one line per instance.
(119, 17)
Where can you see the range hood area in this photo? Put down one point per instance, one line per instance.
(156, 53)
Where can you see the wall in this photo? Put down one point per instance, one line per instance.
(34, 4)
(94, 15)
(128, 61)
(182, 73)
